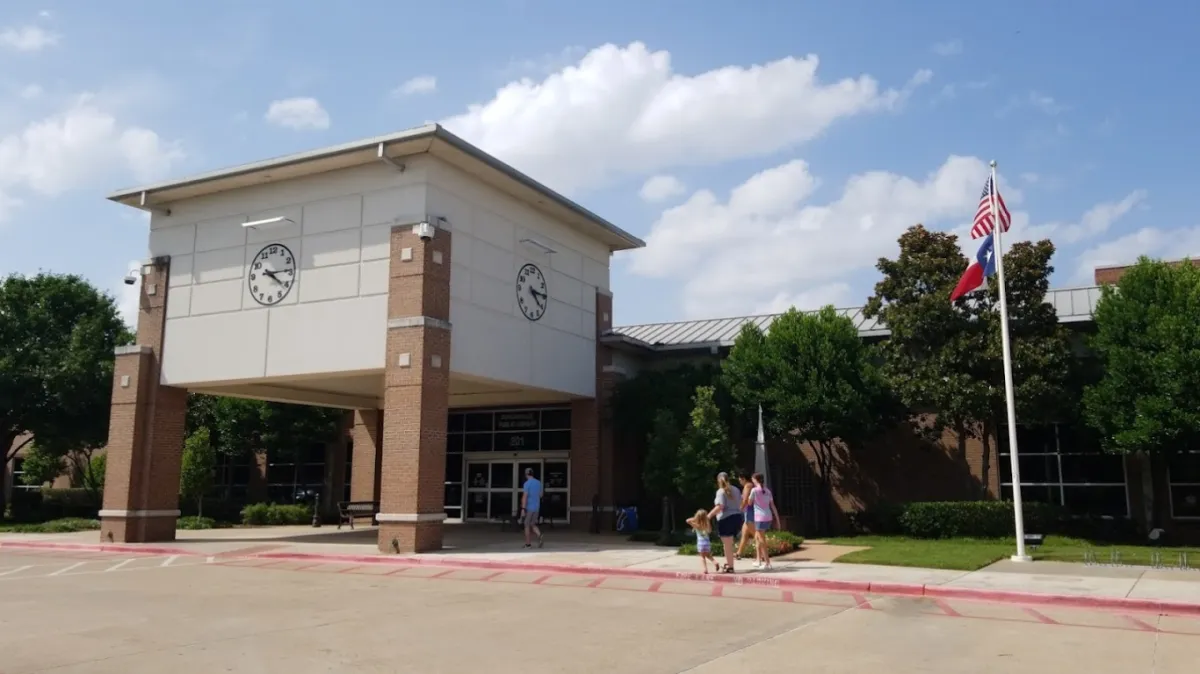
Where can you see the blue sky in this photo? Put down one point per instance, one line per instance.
(663, 110)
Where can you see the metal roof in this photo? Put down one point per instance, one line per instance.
(1073, 305)
(431, 138)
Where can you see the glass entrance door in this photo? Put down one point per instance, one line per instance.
(494, 488)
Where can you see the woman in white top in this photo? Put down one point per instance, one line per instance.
(727, 512)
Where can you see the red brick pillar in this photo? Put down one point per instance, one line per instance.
(367, 432)
(146, 429)
(416, 393)
(591, 446)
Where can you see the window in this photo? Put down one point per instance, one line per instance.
(1063, 464)
(346, 482)
(286, 478)
(18, 471)
(512, 430)
(232, 479)
(1183, 477)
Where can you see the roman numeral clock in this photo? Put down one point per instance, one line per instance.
(272, 274)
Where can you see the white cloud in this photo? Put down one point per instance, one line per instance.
(662, 187)
(948, 48)
(1168, 244)
(763, 247)
(30, 92)
(27, 38)
(624, 110)
(73, 147)
(298, 113)
(424, 84)
(1096, 221)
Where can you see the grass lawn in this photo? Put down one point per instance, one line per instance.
(967, 554)
(63, 526)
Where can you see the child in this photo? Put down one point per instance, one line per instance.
(703, 527)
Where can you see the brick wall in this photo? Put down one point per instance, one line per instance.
(1110, 275)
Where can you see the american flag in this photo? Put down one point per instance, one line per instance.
(983, 215)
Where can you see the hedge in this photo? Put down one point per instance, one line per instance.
(194, 523)
(260, 514)
(982, 519)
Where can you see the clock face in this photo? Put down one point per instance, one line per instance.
(272, 274)
(531, 292)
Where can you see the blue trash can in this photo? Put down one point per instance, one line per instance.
(627, 520)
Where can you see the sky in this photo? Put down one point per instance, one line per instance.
(768, 152)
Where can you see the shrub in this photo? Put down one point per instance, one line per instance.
(274, 514)
(881, 519)
(194, 523)
(59, 526)
(975, 519)
(778, 543)
(67, 503)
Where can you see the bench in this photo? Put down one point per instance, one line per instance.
(348, 510)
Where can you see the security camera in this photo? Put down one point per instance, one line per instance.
(132, 277)
(424, 230)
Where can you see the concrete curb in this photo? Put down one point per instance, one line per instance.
(87, 547)
(844, 586)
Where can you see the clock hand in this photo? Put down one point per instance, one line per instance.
(274, 278)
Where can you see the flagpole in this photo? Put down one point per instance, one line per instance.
(1009, 395)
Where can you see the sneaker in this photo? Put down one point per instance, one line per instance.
(527, 546)
(758, 564)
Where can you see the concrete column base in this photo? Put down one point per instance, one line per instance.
(137, 528)
(408, 537)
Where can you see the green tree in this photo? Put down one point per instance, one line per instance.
(704, 449)
(58, 334)
(815, 380)
(90, 468)
(40, 466)
(199, 468)
(1148, 343)
(662, 458)
(946, 358)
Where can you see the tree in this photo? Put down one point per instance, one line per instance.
(1148, 343)
(40, 466)
(946, 358)
(816, 383)
(704, 449)
(198, 471)
(58, 334)
(90, 469)
(662, 459)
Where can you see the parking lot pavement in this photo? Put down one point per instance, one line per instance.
(97, 612)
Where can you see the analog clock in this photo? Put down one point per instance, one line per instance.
(531, 292)
(272, 274)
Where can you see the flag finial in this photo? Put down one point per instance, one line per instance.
(992, 163)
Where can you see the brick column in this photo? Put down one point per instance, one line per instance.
(591, 447)
(366, 432)
(146, 429)
(416, 393)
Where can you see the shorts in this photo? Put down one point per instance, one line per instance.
(728, 527)
(530, 519)
(748, 515)
(704, 547)
(762, 526)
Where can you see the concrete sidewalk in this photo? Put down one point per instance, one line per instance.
(573, 552)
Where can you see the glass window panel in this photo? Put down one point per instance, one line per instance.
(453, 513)
(454, 442)
(455, 422)
(1035, 440)
(502, 476)
(478, 421)
(1185, 501)
(453, 495)
(554, 505)
(315, 453)
(313, 473)
(556, 441)
(1096, 500)
(477, 442)
(477, 475)
(557, 475)
(1185, 468)
(1038, 468)
(526, 441)
(1092, 468)
(557, 419)
(1045, 494)
(502, 504)
(454, 468)
(518, 420)
(1078, 439)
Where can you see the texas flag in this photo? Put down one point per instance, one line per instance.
(983, 266)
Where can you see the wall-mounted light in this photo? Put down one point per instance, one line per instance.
(538, 244)
(267, 222)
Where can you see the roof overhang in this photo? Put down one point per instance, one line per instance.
(431, 139)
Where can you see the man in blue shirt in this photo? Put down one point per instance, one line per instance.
(531, 501)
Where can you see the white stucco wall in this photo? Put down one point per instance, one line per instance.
(334, 318)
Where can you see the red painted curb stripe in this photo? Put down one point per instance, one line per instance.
(854, 587)
(132, 549)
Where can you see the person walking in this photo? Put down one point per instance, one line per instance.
(727, 511)
(531, 501)
(747, 533)
(765, 514)
(703, 527)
